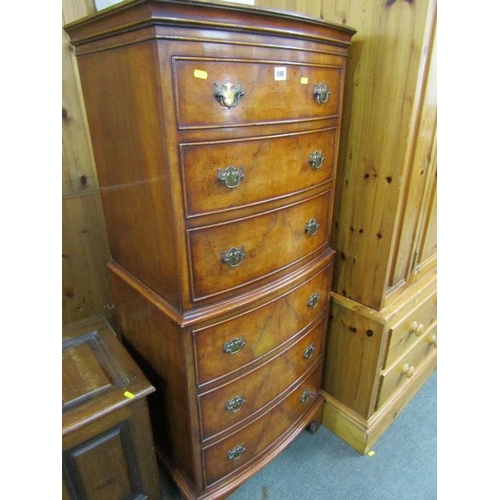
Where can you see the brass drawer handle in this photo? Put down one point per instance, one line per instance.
(316, 159)
(233, 346)
(236, 452)
(305, 396)
(233, 256)
(312, 227)
(408, 370)
(235, 404)
(434, 341)
(228, 94)
(321, 93)
(313, 300)
(230, 176)
(309, 351)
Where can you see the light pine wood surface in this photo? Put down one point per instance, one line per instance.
(85, 251)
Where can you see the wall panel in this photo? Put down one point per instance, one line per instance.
(85, 289)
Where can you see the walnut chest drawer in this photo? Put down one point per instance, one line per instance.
(253, 85)
(106, 436)
(232, 254)
(215, 130)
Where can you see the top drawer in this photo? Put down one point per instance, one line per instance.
(228, 93)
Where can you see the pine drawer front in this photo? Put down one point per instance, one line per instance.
(226, 347)
(228, 455)
(407, 331)
(233, 174)
(235, 93)
(403, 370)
(227, 256)
(233, 402)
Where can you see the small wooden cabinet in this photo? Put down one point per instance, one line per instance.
(107, 444)
(382, 340)
(215, 130)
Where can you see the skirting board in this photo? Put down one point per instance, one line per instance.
(362, 434)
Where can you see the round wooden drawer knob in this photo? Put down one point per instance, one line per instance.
(408, 370)
(417, 329)
(434, 341)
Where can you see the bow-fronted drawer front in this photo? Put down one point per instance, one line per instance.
(232, 403)
(225, 93)
(230, 454)
(230, 255)
(231, 345)
(233, 174)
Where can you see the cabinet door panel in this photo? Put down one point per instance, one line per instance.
(103, 467)
(428, 238)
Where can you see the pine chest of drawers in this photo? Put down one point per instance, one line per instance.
(215, 131)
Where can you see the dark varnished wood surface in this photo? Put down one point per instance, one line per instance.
(107, 442)
(206, 14)
(142, 175)
(96, 371)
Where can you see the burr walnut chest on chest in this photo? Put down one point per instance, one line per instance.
(215, 130)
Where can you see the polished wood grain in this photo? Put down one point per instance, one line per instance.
(259, 435)
(261, 238)
(272, 167)
(401, 372)
(97, 370)
(407, 331)
(362, 347)
(354, 348)
(416, 249)
(391, 61)
(158, 344)
(265, 99)
(284, 369)
(263, 329)
(382, 109)
(188, 265)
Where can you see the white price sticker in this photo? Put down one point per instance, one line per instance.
(280, 73)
